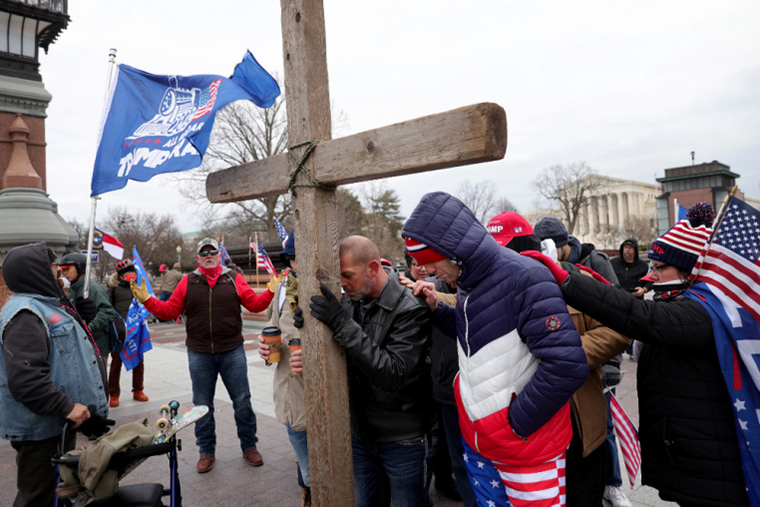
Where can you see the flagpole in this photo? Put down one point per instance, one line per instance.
(719, 221)
(256, 240)
(93, 207)
(675, 211)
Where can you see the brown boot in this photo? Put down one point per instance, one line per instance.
(139, 396)
(205, 464)
(114, 402)
(305, 497)
(253, 457)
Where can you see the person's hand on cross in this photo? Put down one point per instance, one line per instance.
(327, 308)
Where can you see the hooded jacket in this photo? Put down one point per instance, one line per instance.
(520, 357)
(47, 359)
(629, 273)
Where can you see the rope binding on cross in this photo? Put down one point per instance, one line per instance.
(310, 145)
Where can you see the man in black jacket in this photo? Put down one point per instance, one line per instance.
(385, 332)
(629, 269)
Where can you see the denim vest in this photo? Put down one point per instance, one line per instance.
(73, 369)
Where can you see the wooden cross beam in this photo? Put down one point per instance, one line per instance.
(464, 136)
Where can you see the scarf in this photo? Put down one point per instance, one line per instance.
(212, 275)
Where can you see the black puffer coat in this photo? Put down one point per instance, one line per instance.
(688, 439)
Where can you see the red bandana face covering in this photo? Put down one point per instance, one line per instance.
(212, 275)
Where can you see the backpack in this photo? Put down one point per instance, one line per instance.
(117, 333)
(117, 328)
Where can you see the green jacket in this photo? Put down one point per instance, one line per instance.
(105, 314)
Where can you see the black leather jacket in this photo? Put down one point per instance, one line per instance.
(390, 391)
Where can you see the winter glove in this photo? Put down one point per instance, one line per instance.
(298, 318)
(274, 281)
(594, 274)
(86, 308)
(558, 273)
(96, 425)
(139, 291)
(328, 309)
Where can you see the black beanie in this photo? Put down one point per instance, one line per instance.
(552, 228)
(51, 255)
(525, 243)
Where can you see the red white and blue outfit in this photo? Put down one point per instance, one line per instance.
(520, 356)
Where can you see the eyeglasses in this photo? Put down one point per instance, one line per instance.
(206, 253)
(658, 269)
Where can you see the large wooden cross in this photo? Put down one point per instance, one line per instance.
(464, 136)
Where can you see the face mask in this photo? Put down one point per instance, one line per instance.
(130, 277)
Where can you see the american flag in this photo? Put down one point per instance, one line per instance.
(208, 99)
(262, 259)
(281, 232)
(732, 261)
(628, 436)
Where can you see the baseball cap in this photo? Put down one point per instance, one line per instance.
(508, 225)
(207, 242)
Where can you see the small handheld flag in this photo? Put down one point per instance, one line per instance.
(103, 241)
(263, 260)
(628, 436)
(281, 232)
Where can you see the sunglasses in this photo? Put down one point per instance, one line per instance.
(206, 253)
(658, 269)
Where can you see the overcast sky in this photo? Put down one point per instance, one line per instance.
(629, 87)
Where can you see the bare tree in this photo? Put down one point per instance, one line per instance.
(245, 133)
(479, 197)
(504, 204)
(641, 229)
(156, 237)
(571, 185)
(242, 133)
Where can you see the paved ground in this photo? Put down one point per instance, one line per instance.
(233, 482)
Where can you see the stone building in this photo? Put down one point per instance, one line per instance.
(27, 214)
(616, 209)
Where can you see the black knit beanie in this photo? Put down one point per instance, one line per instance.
(51, 255)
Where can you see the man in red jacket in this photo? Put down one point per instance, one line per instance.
(211, 297)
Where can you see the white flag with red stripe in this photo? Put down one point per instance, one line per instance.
(628, 436)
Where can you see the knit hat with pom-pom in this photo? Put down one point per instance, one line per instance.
(681, 245)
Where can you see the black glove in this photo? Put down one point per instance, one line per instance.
(96, 425)
(328, 309)
(86, 308)
(298, 318)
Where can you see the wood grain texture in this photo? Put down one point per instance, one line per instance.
(464, 136)
(316, 242)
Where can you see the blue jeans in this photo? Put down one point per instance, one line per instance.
(233, 368)
(613, 465)
(450, 421)
(406, 463)
(299, 442)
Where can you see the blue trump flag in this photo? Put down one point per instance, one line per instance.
(161, 124)
(138, 335)
(737, 340)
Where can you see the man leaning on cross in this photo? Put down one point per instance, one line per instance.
(385, 332)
